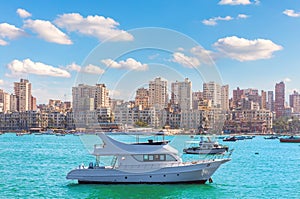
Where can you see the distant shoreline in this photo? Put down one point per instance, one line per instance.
(152, 133)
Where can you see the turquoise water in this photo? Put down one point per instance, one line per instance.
(35, 166)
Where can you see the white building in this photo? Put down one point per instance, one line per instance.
(83, 97)
(182, 94)
(128, 115)
(89, 102)
(101, 96)
(23, 93)
(191, 119)
(13, 103)
(87, 98)
(212, 91)
(158, 93)
(142, 97)
(225, 97)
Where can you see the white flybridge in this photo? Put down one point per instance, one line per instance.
(149, 162)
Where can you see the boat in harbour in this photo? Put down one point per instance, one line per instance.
(143, 162)
(230, 139)
(292, 139)
(272, 137)
(205, 146)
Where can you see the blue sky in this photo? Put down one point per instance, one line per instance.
(58, 44)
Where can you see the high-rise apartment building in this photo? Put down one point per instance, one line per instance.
(101, 96)
(83, 98)
(212, 91)
(263, 103)
(87, 98)
(225, 97)
(23, 93)
(279, 99)
(2, 99)
(33, 104)
(196, 98)
(270, 103)
(142, 97)
(13, 103)
(295, 102)
(158, 93)
(182, 94)
(237, 95)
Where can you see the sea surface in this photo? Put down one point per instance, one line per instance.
(35, 166)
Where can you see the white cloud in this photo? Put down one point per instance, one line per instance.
(213, 21)
(72, 67)
(235, 2)
(92, 69)
(291, 13)
(1, 82)
(287, 80)
(184, 60)
(18, 67)
(246, 50)
(203, 55)
(3, 43)
(10, 32)
(95, 26)
(115, 93)
(180, 49)
(242, 16)
(47, 31)
(23, 13)
(129, 63)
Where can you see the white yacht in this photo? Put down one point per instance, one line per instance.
(204, 146)
(148, 162)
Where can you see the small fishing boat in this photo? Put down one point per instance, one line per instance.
(271, 137)
(230, 139)
(291, 139)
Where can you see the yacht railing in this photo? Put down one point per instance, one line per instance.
(158, 166)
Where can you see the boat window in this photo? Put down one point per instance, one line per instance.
(154, 157)
(170, 158)
(146, 158)
(162, 157)
(139, 158)
(150, 157)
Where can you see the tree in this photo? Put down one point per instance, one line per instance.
(140, 123)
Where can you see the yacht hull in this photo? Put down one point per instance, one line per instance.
(186, 173)
(205, 151)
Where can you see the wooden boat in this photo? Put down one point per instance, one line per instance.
(291, 139)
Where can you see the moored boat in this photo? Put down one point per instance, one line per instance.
(291, 139)
(271, 137)
(230, 139)
(205, 146)
(146, 162)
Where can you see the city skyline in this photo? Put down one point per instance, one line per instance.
(169, 90)
(240, 37)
